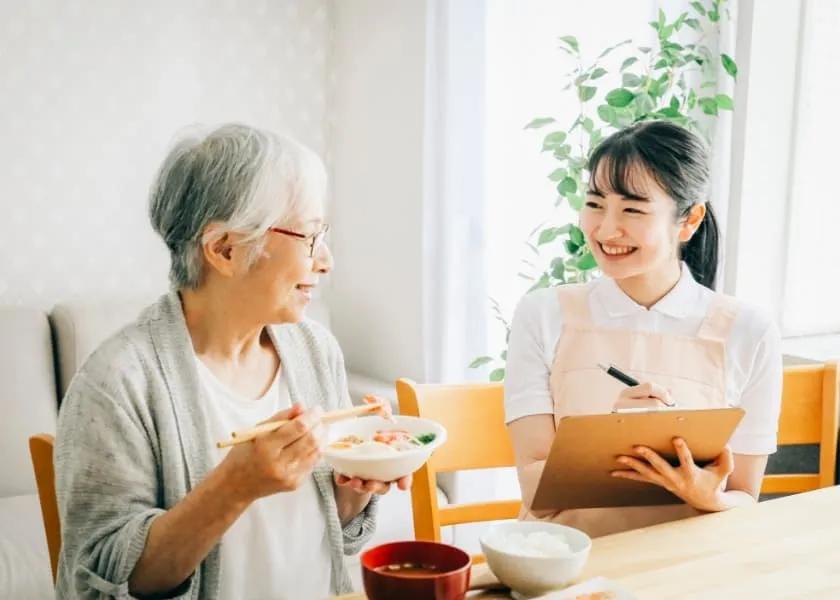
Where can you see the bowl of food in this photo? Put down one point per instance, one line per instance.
(415, 570)
(533, 558)
(382, 448)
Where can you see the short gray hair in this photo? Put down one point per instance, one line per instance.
(244, 178)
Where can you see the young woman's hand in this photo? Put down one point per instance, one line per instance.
(702, 488)
(644, 395)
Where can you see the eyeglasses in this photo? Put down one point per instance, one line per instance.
(315, 239)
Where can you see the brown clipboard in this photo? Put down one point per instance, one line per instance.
(584, 452)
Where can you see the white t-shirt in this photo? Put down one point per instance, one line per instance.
(279, 548)
(753, 351)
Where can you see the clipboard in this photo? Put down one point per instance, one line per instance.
(584, 452)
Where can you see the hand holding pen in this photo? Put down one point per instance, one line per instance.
(638, 395)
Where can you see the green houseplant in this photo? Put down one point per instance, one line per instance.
(673, 79)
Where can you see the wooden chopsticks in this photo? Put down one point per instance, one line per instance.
(244, 435)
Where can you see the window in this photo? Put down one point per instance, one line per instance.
(811, 299)
(524, 69)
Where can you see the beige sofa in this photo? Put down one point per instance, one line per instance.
(41, 352)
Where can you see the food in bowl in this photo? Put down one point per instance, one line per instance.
(382, 443)
(381, 449)
(416, 570)
(535, 557)
(533, 543)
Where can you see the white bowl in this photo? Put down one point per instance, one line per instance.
(535, 575)
(382, 468)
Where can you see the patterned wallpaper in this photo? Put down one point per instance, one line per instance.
(91, 95)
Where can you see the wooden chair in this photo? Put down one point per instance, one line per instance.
(477, 438)
(41, 450)
(810, 396)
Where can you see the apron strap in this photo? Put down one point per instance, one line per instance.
(574, 304)
(719, 318)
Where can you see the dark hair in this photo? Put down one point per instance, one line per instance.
(678, 160)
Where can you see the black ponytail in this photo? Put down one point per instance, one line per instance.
(701, 253)
(678, 160)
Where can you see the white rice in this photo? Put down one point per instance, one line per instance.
(534, 544)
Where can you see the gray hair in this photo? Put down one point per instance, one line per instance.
(243, 178)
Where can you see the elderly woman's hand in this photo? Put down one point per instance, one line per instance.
(278, 461)
(363, 486)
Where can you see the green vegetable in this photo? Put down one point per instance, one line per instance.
(425, 438)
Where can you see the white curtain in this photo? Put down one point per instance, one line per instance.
(455, 241)
(811, 301)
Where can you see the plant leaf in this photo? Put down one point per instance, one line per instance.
(587, 262)
(628, 62)
(620, 97)
(571, 42)
(480, 362)
(576, 235)
(558, 174)
(497, 374)
(724, 102)
(607, 114)
(586, 92)
(553, 140)
(567, 186)
(548, 235)
(698, 6)
(729, 65)
(631, 80)
(598, 73)
(540, 122)
(708, 105)
(611, 48)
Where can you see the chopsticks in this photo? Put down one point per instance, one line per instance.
(245, 435)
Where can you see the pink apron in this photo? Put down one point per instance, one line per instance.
(693, 367)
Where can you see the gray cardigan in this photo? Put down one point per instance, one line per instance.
(133, 439)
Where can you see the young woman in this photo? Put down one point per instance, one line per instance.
(653, 313)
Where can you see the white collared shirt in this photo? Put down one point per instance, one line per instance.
(753, 351)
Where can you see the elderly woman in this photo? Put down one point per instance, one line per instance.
(149, 506)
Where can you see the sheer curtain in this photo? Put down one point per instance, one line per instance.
(811, 301)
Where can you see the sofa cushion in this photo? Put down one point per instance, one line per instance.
(27, 394)
(80, 326)
(24, 559)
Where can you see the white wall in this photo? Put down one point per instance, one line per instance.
(91, 94)
(378, 185)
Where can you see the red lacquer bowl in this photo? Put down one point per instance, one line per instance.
(415, 570)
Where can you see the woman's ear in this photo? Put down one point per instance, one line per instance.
(218, 249)
(692, 222)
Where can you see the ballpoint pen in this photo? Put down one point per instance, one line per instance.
(624, 378)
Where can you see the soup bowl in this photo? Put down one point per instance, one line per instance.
(415, 570)
(374, 461)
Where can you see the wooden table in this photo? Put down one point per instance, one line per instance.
(785, 549)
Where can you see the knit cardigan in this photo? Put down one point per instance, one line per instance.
(134, 438)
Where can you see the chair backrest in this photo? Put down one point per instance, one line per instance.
(41, 449)
(477, 438)
(810, 396)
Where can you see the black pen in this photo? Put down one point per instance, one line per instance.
(624, 378)
(620, 375)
